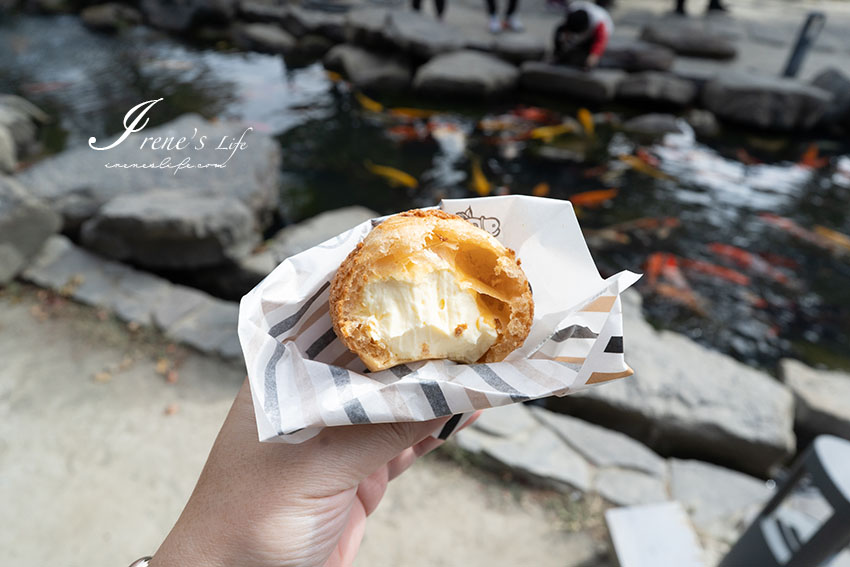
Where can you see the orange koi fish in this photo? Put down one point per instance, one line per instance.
(367, 103)
(405, 133)
(412, 112)
(836, 238)
(727, 274)
(592, 199)
(478, 182)
(541, 189)
(535, 114)
(585, 118)
(812, 159)
(641, 166)
(395, 177)
(749, 261)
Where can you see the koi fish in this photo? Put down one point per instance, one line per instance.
(748, 260)
(541, 189)
(727, 274)
(597, 171)
(333, 76)
(818, 239)
(47, 87)
(811, 158)
(647, 157)
(412, 112)
(534, 114)
(395, 177)
(502, 123)
(585, 118)
(745, 157)
(367, 103)
(836, 238)
(478, 182)
(686, 297)
(592, 199)
(405, 133)
(642, 167)
(549, 133)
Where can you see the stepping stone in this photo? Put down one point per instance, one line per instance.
(654, 535)
(823, 398)
(598, 85)
(466, 74)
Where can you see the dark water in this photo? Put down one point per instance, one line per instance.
(790, 297)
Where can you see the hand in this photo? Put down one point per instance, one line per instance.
(276, 505)
(592, 61)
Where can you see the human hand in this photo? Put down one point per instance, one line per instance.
(591, 61)
(277, 505)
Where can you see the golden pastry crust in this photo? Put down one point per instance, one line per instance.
(477, 257)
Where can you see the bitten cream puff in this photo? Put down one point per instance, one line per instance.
(430, 285)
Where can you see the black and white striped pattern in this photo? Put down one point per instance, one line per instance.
(304, 379)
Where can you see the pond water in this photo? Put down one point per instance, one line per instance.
(740, 236)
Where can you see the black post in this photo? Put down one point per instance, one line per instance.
(810, 32)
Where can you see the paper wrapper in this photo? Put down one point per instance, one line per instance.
(304, 379)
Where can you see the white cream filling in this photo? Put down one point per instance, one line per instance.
(432, 315)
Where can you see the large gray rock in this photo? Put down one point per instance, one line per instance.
(687, 400)
(718, 500)
(603, 447)
(177, 230)
(184, 314)
(300, 22)
(838, 84)
(369, 70)
(25, 224)
(634, 55)
(689, 37)
(182, 15)
(654, 124)
(657, 88)
(77, 182)
(267, 38)
(110, 17)
(259, 11)
(18, 130)
(420, 35)
(466, 73)
(365, 26)
(299, 237)
(625, 487)
(598, 85)
(766, 102)
(823, 398)
(515, 48)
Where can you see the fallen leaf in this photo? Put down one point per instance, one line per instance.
(171, 409)
(133, 326)
(102, 377)
(162, 366)
(171, 377)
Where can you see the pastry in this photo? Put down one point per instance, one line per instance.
(426, 284)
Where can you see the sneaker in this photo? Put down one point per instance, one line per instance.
(513, 24)
(495, 26)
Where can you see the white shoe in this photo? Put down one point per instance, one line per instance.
(514, 24)
(495, 25)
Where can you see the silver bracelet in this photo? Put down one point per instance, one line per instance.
(143, 562)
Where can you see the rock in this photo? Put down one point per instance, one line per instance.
(25, 224)
(541, 456)
(703, 122)
(420, 35)
(267, 38)
(469, 74)
(257, 11)
(598, 85)
(634, 55)
(715, 498)
(184, 314)
(838, 84)
(18, 130)
(110, 17)
(689, 37)
(177, 230)
(309, 48)
(369, 70)
(77, 183)
(653, 124)
(365, 26)
(602, 447)
(629, 488)
(514, 48)
(182, 15)
(823, 398)
(300, 22)
(765, 102)
(687, 400)
(506, 421)
(658, 88)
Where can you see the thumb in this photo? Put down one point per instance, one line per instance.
(365, 448)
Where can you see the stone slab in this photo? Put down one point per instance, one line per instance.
(654, 535)
(624, 487)
(25, 224)
(467, 74)
(599, 85)
(823, 398)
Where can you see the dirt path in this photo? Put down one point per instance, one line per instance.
(99, 451)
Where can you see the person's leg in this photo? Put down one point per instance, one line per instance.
(716, 6)
(440, 5)
(680, 7)
(512, 21)
(495, 25)
(512, 5)
(491, 7)
(416, 5)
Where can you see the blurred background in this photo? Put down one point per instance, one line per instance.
(707, 150)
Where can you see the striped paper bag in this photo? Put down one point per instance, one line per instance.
(304, 379)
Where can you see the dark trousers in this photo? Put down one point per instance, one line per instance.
(440, 5)
(573, 54)
(491, 7)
